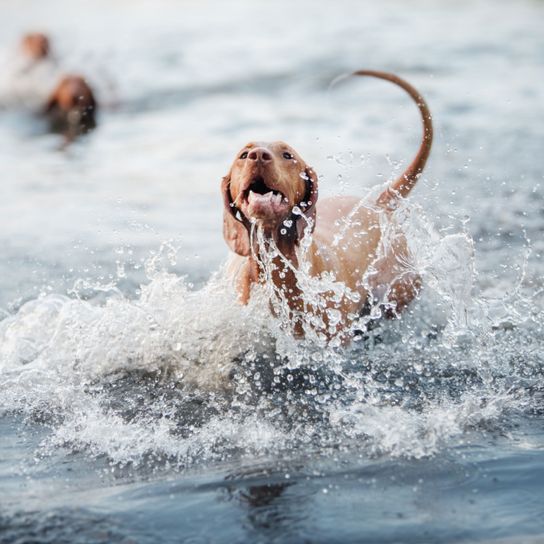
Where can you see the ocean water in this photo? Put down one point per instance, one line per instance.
(140, 403)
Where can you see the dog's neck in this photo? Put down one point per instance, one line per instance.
(282, 238)
(282, 271)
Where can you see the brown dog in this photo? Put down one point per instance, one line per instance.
(71, 108)
(270, 198)
(36, 46)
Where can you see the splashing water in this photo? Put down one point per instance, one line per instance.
(425, 428)
(190, 375)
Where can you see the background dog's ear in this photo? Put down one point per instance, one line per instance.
(234, 232)
(308, 203)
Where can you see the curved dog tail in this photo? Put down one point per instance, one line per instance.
(404, 184)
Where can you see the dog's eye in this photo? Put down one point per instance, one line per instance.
(287, 155)
(244, 155)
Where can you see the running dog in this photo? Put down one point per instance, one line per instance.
(270, 189)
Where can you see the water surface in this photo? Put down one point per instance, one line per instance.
(139, 403)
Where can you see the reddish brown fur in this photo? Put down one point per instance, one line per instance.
(36, 45)
(404, 184)
(275, 169)
(71, 107)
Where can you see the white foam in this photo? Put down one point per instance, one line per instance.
(62, 357)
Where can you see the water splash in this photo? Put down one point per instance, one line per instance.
(189, 375)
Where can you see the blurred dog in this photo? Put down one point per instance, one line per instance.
(35, 46)
(71, 106)
(271, 188)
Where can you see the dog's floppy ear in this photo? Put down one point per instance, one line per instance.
(234, 231)
(308, 203)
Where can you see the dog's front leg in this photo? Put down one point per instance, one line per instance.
(246, 277)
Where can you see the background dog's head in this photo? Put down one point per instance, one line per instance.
(271, 185)
(35, 45)
(71, 108)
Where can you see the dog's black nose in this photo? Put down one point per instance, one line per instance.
(260, 154)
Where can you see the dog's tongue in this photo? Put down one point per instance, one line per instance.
(268, 204)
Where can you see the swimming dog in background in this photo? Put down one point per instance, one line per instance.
(271, 192)
(70, 106)
(36, 46)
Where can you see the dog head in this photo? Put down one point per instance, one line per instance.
(71, 107)
(35, 45)
(268, 184)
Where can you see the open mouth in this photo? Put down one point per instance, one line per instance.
(259, 187)
(263, 201)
